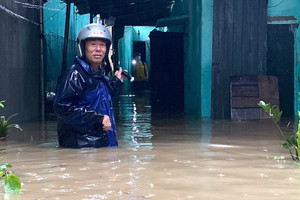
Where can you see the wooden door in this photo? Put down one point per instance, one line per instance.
(239, 38)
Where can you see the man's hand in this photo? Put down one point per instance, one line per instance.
(106, 125)
(119, 74)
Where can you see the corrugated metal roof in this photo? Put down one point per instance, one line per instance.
(126, 12)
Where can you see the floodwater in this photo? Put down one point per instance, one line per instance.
(160, 156)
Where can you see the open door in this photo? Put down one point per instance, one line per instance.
(167, 68)
(280, 63)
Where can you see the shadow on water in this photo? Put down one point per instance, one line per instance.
(160, 156)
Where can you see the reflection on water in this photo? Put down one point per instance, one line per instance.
(161, 156)
(135, 121)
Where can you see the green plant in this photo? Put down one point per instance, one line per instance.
(291, 143)
(4, 125)
(12, 184)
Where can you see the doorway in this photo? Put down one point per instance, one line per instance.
(167, 67)
(280, 63)
(140, 46)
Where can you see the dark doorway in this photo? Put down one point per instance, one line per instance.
(280, 63)
(167, 67)
(140, 46)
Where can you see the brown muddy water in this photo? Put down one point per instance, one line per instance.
(160, 156)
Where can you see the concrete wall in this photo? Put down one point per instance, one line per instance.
(20, 60)
(125, 53)
(54, 29)
(198, 54)
(126, 48)
(288, 10)
(20, 43)
(193, 68)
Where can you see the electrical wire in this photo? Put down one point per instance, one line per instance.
(17, 15)
(276, 4)
(30, 6)
(33, 6)
(50, 18)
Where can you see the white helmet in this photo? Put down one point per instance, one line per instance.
(90, 31)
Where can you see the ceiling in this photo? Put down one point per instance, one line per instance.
(126, 12)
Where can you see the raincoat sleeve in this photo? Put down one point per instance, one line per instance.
(115, 85)
(71, 86)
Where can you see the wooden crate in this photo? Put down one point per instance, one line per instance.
(247, 91)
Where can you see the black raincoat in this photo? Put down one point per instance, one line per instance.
(82, 99)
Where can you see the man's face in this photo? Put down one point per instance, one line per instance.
(138, 58)
(95, 50)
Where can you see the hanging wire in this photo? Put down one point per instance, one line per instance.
(33, 6)
(49, 32)
(50, 18)
(28, 5)
(276, 4)
(17, 15)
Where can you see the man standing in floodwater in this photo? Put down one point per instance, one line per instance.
(83, 101)
(140, 72)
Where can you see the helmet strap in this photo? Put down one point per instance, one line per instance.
(80, 50)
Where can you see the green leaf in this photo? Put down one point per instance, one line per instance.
(292, 141)
(1, 104)
(289, 142)
(12, 184)
(276, 113)
(272, 111)
(11, 116)
(5, 165)
(266, 107)
(285, 145)
(297, 163)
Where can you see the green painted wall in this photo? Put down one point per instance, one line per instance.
(198, 49)
(54, 27)
(198, 54)
(54, 23)
(126, 48)
(289, 8)
(198, 45)
(125, 53)
(193, 69)
(206, 56)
